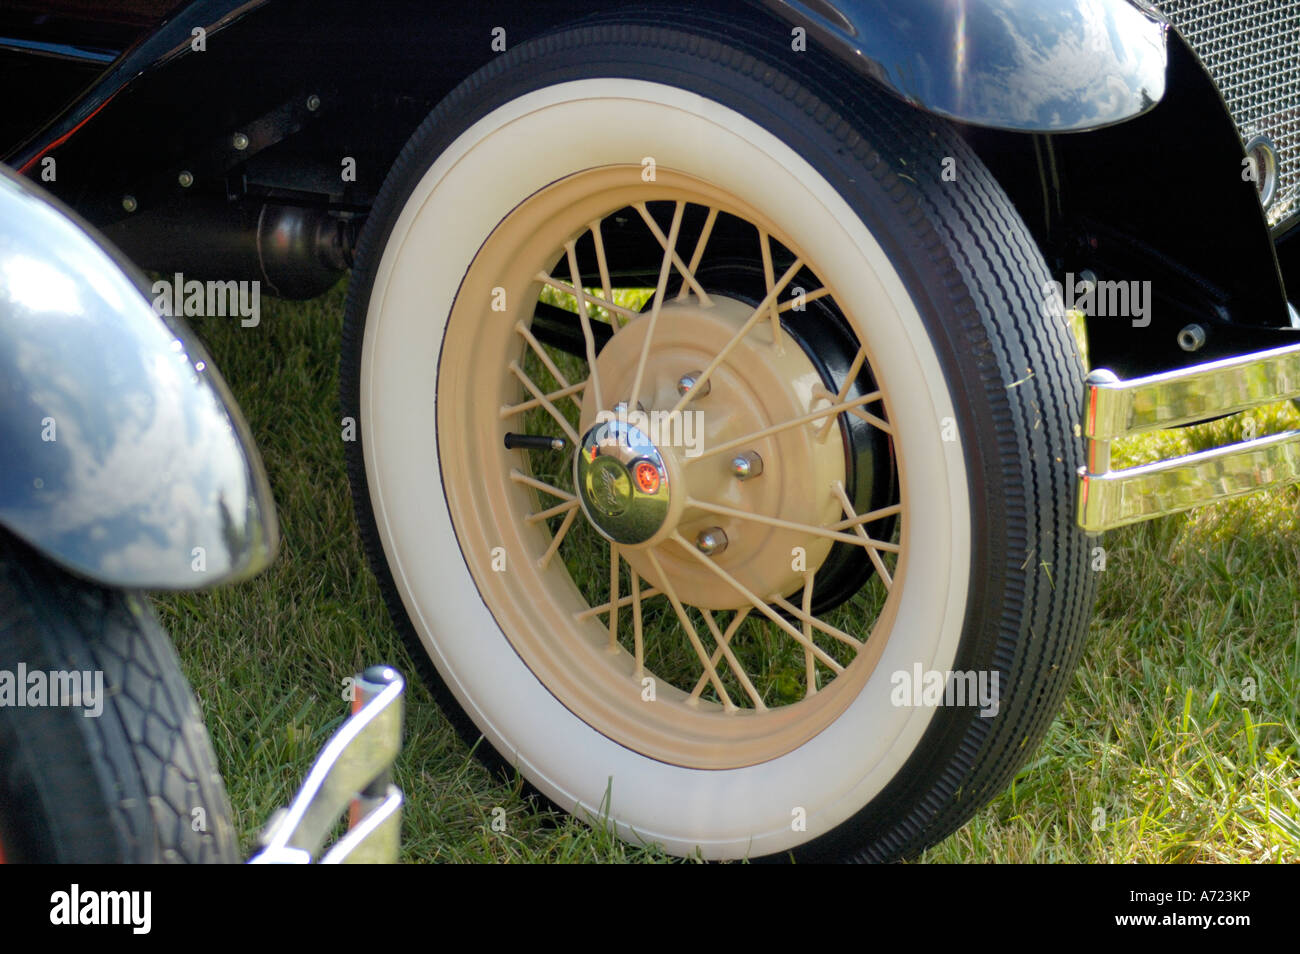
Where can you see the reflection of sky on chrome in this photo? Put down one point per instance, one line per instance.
(38, 286)
(1067, 69)
(959, 54)
(146, 455)
(1024, 63)
(167, 441)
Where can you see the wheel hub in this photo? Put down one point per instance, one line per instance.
(647, 474)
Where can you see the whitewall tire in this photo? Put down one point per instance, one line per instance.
(504, 183)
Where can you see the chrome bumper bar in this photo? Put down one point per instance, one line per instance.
(1114, 409)
(354, 768)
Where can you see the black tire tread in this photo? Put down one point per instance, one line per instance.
(120, 787)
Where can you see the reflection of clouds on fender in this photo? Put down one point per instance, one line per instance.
(146, 462)
(1022, 64)
(1070, 68)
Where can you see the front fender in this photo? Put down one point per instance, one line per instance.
(122, 456)
(1026, 65)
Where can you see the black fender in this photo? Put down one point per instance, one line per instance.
(169, 104)
(1031, 65)
(122, 456)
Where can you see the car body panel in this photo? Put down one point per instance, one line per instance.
(1040, 65)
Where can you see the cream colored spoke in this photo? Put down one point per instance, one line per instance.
(872, 420)
(709, 668)
(687, 273)
(749, 439)
(580, 293)
(766, 247)
(605, 285)
(698, 255)
(568, 389)
(757, 603)
(870, 517)
(511, 410)
(805, 616)
(664, 268)
(871, 545)
(591, 611)
(726, 638)
(819, 393)
(542, 399)
(724, 647)
(526, 333)
(613, 594)
(520, 477)
(551, 512)
(737, 337)
(638, 648)
(560, 534)
(849, 378)
(809, 663)
(808, 297)
(808, 528)
(562, 286)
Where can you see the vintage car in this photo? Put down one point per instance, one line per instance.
(716, 421)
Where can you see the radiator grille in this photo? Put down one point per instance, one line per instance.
(1252, 50)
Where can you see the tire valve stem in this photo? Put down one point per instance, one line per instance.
(747, 465)
(534, 442)
(711, 542)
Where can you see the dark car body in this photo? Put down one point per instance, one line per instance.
(257, 104)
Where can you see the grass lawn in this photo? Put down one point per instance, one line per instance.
(1178, 742)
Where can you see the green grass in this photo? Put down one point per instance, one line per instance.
(1162, 731)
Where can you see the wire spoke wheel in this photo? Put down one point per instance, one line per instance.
(668, 555)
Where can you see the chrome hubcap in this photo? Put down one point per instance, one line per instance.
(622, 481)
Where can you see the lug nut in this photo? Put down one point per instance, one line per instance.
(129, 203)
(240, 142)
(687, 381)
(313, 103)
(186, 179)
(746, 465)
(711, 542)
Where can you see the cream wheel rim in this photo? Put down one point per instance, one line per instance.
(752, 390)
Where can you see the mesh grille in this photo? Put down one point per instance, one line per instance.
(1252, 50)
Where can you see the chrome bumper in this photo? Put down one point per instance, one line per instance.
(354, 769)
(1114, 409)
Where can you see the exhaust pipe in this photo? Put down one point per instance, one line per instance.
(296, 252)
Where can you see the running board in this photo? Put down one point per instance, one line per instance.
(1114, 409)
